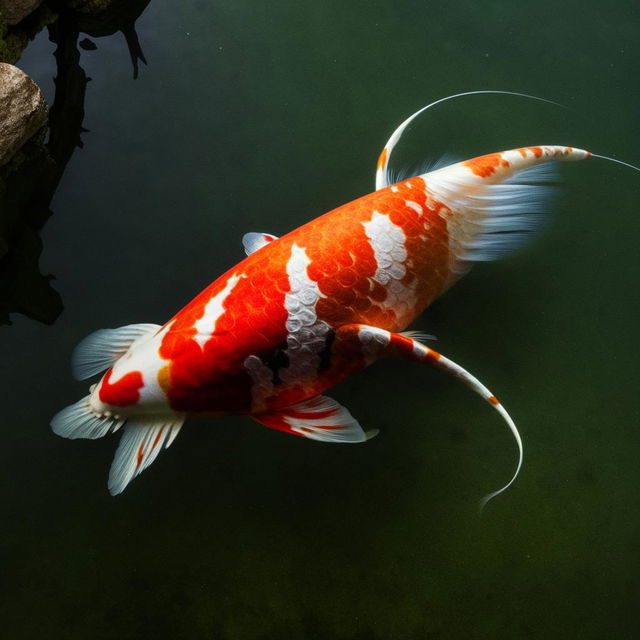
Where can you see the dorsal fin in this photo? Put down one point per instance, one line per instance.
(98, 351)
(254, 241)
(494, 202)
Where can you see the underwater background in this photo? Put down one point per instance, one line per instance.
(259, 116)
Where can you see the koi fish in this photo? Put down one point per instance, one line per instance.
(305, 311)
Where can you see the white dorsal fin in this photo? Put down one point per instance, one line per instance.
(492, 219)
(254, 241)
(78, 421)
(318, 418)
(98, 351)
(139, 446)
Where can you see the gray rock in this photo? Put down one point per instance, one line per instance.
(23, 110)
(15, 10)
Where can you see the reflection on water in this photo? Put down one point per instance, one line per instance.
(32, 177)
(117, 16)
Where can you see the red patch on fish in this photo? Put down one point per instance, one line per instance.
(260, 338)
(122, 393)
(382, 159)
(207, 372)
(485, 166)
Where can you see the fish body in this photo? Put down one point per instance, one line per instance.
(305, 311)
(263, 335)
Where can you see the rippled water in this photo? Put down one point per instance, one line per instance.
(258, 117)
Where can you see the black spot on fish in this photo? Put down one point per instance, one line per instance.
(277, 360)
(325, 354)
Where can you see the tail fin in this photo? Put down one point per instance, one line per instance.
(140, 444)
(79, 421)
(494, 201)
(142, 440)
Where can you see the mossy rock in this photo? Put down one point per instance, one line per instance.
(14, 40)
(12, 46)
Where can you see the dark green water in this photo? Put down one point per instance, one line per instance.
(256, 116)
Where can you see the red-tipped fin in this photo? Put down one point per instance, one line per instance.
(254, 241)
(318, 418)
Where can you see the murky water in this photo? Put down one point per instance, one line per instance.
(258, 117)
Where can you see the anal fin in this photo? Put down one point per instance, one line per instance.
(99, 350)
(319, 418)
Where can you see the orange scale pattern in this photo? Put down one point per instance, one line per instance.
(485, 166)
(207, 373)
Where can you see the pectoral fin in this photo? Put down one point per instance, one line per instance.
(318, 418)
(377, 343)
(254, 241)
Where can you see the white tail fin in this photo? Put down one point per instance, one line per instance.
(140, 444)
(79, 421)
(142, 440)
(98, 351)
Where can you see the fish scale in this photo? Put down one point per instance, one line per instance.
(348, 294)
(252, 316)
(305, 311)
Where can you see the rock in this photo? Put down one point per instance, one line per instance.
(23, 110)
(15, 10)
(14, 38)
